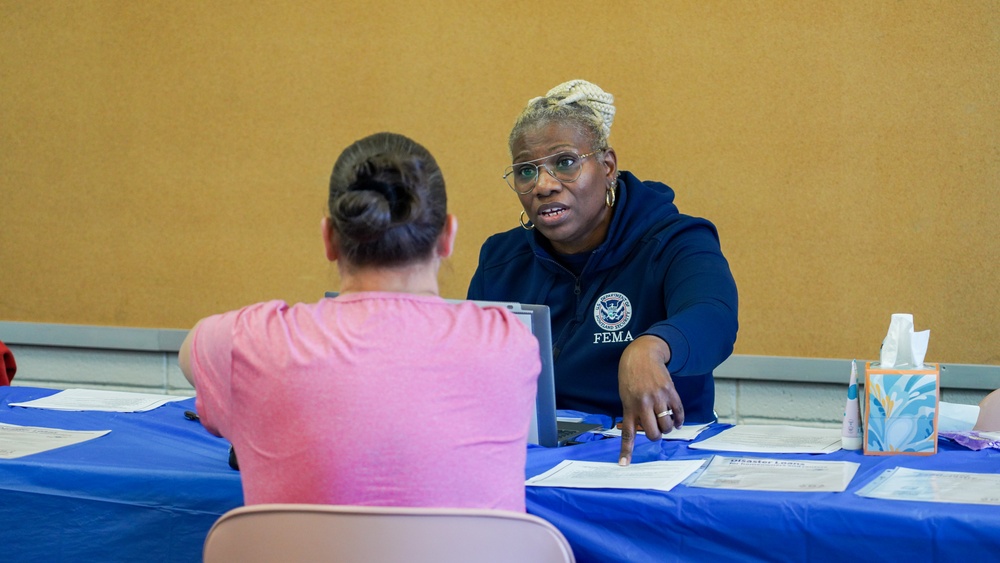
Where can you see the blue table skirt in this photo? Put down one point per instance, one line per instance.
(697, 524)
(151, 489)
(148, 491)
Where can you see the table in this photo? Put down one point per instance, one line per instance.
(148, 491)
(696, 524)
(151, 489)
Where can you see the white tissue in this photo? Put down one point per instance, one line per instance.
(903, 348)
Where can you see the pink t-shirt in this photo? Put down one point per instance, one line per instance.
(371, 399)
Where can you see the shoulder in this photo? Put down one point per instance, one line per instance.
(509, 268)
(643, 205)
(489, 315)
(269, 320)
(231, 319)
(645, 214)
(505, 260)
(502, 248)
(497, 324)
(264, 312)
(647, 190)
(211, 342)
(667, 221)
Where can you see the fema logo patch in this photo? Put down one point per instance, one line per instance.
(612, 311)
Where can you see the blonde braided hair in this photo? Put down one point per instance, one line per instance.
(578, 101)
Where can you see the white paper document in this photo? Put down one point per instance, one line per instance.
(787, 475)
(773, 439)
(97, 400)
(657, 475)
(903, 483)
(686, 432)
(18, 441)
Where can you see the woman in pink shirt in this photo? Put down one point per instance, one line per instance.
(386, 394)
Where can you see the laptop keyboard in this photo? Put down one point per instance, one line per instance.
(566, 431)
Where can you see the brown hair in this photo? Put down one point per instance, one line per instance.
(387, 201)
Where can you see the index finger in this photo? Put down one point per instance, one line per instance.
(628, 440)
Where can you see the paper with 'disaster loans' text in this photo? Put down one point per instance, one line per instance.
(778, 475)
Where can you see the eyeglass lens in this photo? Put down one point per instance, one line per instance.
(564, 167)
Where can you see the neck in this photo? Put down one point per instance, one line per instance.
(594, 238)
(420, 279)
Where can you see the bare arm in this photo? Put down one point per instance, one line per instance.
(184, 356)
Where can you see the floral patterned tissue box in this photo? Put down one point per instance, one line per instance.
(901, 410)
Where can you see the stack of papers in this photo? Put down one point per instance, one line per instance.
(18, 441)
(657, 475)
(96, 400)
(776, 439)
(785, 475)
(750, 474)
(685, 432)
(903, 483)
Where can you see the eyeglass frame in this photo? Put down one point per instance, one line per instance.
(510, 169)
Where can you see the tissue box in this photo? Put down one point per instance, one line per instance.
(901, 410)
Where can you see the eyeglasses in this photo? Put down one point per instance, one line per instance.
(564, 166)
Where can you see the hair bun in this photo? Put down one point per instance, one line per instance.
(589, 95)
(387, 201)
(388, 179)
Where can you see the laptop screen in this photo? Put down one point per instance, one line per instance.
(544, 428)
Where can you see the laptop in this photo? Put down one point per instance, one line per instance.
(545, 429)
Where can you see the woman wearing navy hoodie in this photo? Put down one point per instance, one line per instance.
(643, 302)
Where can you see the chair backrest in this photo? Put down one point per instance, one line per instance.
(346, 534)
(989, 413)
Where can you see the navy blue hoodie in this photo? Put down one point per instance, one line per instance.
(657, 272)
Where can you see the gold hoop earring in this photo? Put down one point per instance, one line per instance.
(526, 226)
(609, 196)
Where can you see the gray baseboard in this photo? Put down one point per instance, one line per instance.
(825, 370)
(737, 367)
(95, 337)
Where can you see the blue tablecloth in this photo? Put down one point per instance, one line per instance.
(698, 524)
(148, 491)
(151, 489)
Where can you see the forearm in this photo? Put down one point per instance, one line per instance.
(699, 338)
(701, 305)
